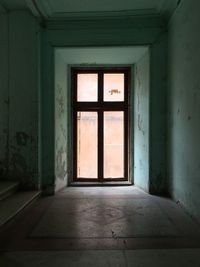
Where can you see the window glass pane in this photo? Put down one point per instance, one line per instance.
(114, 87)
(114, 144)
(87, 144)
(87, 85)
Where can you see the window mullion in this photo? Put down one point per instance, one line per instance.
(100, 127)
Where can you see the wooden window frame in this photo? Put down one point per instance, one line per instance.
(100, 106)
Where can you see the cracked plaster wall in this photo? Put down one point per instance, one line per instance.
(141, 123)
(184, 106)
(60, 123)
(19, 96)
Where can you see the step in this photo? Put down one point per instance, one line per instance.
(7, 188)
(15, 203)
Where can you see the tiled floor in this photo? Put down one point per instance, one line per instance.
(103, 258)
(101, 226)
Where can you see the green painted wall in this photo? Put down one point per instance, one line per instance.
(65, 58)
(158, 106)
(29, 117)
(141, 122)
(19, 96)
(4, 95)
(104, 33)
(184, 106)
(60, 122)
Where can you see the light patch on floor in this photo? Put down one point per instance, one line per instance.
(101, 218)
(104, 218)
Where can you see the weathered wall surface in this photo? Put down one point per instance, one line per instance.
(158, 106)
(20, 99)
(184, 106)
(101, 56)
(60, 122)
(4, 97)
(112, 32)
(141, 122)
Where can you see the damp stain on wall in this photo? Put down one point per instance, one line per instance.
(61, 134)
(22, 138)
(139, 123)
(60, 100)
(141, 117)
(23, 160)
(61, 166)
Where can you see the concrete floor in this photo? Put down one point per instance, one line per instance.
(101, 226)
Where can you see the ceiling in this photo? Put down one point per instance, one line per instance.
(64, 9)
(102, 55)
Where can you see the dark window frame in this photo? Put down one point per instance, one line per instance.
(100, 106)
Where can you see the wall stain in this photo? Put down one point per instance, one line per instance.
(18, 165)
(21, 138)
(61, 163)
(61, 155)
(138, 101)
(137, 72)
(140, 124)
(23, 160)
(60, 100)
(63, 130)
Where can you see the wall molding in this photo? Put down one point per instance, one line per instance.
(43, 8)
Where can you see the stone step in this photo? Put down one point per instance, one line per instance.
(12, 205)
(8, 188)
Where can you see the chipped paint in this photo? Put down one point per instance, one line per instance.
(141, 123)
(60, 100)
(19, 102)
(61, 162)
(60, 124)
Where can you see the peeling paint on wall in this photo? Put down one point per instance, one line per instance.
(60, 100)
(61, 162)
(61, 135)
(141, 123)
(60, 124)
(18, 99)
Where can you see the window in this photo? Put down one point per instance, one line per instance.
(100, 123)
